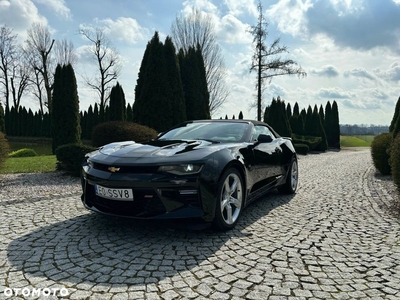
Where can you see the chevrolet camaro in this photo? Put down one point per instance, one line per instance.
(208, 170)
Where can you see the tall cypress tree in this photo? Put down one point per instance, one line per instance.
(158, 93)
(175, 93)
(308, 122)
(328, 124)
(335, 125)
(395, 116)
(288, 111)
(319, 130)
(117, 110)
(65, 112)
(296, 110)
(2, 120)
(194, 84)
(277, 117)
(240, 115)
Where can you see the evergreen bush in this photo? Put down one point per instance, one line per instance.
(25, 152)
(118, 131)
(4, 148)
(395, 161)
(380, 151)
(311, 141)
(301, 148)
(70, 157)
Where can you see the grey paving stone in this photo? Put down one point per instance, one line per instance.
(334, 239)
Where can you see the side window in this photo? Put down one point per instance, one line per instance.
(259, 129)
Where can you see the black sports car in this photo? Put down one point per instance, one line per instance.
(206, 169)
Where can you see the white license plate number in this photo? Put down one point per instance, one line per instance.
(115, 194)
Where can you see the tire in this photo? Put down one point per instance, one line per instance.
(230, 200)
(292, 179)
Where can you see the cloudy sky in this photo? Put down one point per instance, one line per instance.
(350, 49)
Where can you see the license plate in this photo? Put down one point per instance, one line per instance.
(115, 194)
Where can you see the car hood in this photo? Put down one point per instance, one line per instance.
(159, 150)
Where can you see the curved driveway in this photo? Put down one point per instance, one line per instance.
(335, 239)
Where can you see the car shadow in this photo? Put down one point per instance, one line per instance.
(100, 250)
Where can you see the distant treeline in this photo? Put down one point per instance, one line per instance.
(347, 129)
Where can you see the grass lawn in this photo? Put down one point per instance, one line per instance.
(356, 140)
(35, 164)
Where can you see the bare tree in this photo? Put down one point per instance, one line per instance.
(265, 61)
(198, 30)
(65, 53)
(108, 62)
(8, 49)
(36, 88)
(21, 78)
(38, 49)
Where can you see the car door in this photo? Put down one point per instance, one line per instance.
(267, 155)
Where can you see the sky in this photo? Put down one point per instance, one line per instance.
(350, 49)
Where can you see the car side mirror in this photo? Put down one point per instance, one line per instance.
(264, 138)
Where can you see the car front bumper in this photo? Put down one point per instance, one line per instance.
(155, 196)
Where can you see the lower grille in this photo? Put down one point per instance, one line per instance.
(146, 204)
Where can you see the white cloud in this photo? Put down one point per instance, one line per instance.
(335, 93)
(360, 73)
(19, 14)
(58, 6)
(125, 29)
(325, 71)
(239, 7)
(202, 5)
(391, 74)
(232, 30)
(290, 16)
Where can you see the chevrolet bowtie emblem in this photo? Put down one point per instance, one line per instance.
(113, 169)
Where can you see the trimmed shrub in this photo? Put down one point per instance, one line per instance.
(311, 141)
(25, 152)
(380, 151)
(395, 161)
(71, 156)
(118, 131)
(301, 148)
(4, 148)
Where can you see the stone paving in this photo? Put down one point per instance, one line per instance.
(335, 239)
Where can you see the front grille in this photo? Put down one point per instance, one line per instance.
(146, 203)
(127, 169)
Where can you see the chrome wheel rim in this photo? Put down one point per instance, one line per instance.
(231, 198)
(294, 176)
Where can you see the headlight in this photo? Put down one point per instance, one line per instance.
(183, 169)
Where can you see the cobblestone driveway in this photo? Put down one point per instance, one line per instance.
(333, 240)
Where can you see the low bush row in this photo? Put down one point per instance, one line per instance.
(4, 149)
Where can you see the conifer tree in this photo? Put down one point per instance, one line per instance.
(319, 130)
(328, 124)
(308, 122)
(117, 107)
(194, 84)
(335, 126)
(177, 100)
(288, 111)
(296, 110)
(129, 113)
(240, 115)
(65, 111)
(277, 117)
(2, 120)
(395, 116)
(158, 93)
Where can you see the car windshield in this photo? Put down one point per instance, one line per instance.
(210, 131)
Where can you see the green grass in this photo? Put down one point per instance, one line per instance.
(36, 164)
(356, 140)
